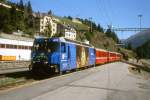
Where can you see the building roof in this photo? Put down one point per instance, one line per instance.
(15, 37)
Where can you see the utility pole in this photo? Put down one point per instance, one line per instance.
(91, 24)
(140, 18)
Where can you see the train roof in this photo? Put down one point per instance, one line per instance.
(107, 51)
(101, 49)
(114, 52)
(15, 37)
(62, 39)
(78, 43)
(15, 42)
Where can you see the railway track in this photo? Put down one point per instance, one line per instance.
(14, 78)
(13, 70)
(13, 66)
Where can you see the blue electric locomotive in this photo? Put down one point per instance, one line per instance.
(60, 54)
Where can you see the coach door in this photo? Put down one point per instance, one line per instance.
(69, 57)
(64, 57)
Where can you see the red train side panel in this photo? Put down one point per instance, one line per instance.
(114, 56)
(101, 56)
(104, 56)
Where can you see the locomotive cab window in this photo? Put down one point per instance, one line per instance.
(53, 47)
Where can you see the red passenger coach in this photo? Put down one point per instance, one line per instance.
(104, 56)
(101, 56)
(114, 56)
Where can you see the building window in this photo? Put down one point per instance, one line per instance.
(7, 45)
(15, 46)
(19, 47)
(26, 47)
(2, 45)
(30, 47)
(11, 46)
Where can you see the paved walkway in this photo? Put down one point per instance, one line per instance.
(107, 82)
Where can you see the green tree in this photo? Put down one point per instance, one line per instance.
(115, 37)
(29, 8)
(100, 29)
(21, 5)
(50, 12)
(129, 46)
(4, 17)
(4, 1)
(69, 17)
(13, 19)
(112, 35)
(29, 20)
(108, 32)
(143, 51)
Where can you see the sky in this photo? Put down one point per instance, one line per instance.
(118, 13)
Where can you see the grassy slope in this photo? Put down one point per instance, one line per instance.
(76, 25)
(129, 53)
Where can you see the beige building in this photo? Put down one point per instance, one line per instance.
(66, 31)
(45, 24)
(48, 23)
(70, 33)
(45, 21)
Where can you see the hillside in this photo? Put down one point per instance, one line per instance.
(144, 50)
(99, 40)
(138, 39)
(78, 27)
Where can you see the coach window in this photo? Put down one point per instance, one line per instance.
(23, 47)
(15, 46)
(2, 45)
(19, 46)
(63, 49)
(11, 46)
(7, 45)
(30, 47)
(26, 47)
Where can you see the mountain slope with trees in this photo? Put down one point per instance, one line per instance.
(144, 50)
(138, 39)
(17, 18)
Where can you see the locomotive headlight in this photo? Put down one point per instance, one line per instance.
(46, 62)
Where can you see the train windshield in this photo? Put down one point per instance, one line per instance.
(45, 46)
(52, 47)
